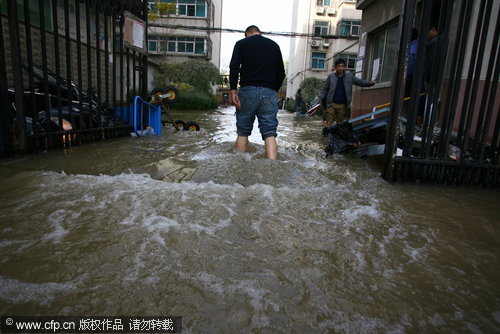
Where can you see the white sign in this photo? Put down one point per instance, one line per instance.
(361, 52)
(359, 65)
(376, 68)
(134, 32)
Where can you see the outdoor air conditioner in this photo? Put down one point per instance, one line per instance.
(315, 44)
(320, 10)
(330, 11)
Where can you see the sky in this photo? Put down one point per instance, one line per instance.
(268, 15)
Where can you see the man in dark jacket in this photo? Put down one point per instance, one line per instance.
(258, 63)
(337, 91)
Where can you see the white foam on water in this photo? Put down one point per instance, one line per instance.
(18, 292)
(248, 287)
(57, 219)
(155, 223)
(358, 212)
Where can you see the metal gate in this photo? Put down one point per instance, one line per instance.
(65, 71)
(458, 141)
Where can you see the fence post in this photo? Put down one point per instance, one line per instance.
(405, 25)
(4, 101)
(18, 78)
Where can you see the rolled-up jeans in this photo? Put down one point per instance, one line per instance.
(260, 102)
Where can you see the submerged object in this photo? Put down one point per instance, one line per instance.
(340, 137)
(315, 105)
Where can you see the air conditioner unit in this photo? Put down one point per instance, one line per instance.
(315, 44)
(326, 45)
(330, 11)
(320, 10)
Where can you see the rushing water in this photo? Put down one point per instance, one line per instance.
(184, 225)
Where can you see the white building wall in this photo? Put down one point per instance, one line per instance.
(213, 38)
(305, 13)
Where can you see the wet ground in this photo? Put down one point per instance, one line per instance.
(184, 225)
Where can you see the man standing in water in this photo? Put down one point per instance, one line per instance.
(337, 91)
(258, 63)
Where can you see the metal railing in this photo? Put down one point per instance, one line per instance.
(459, 137)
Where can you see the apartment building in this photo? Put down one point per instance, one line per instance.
(332, 28)
(182, 30)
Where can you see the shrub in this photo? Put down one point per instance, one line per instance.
(311, 88)
(195, 101)
(290, 105)
(201, 75)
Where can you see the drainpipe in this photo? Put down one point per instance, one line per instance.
(144, 71)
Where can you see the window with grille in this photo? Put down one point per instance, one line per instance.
(350, 61)
(191, 8)
(321, 28)
(383, 46)
(177, 44)
(349, 28)
(318, 60)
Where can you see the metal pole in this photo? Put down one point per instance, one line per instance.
(484, 112)
(58, 70)
(446, 13)
(467, 93)
(405, 24)
(17, 74)
(106, 60)
(5, 129)
(418, 75)
(43, 45)
(79, 61)
(455, 83)
(68, 61)
(29, 54)
(98, 66)
(479, 63)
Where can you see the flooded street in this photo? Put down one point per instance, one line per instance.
(184, 225)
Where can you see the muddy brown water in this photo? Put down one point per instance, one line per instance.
(183, 225)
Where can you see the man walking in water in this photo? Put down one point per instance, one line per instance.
(337, 91)
(258, 63)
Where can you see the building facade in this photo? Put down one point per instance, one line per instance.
(379, 40)
(332, 29)
(183, 29)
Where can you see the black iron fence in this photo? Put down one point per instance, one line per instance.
(451, 134)
(68, 70)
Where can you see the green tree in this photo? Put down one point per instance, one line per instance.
(198, 73)
(311, 88)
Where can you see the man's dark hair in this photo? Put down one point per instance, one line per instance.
(252, 29)
(339, 61)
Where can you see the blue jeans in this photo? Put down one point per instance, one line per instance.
(257, 102)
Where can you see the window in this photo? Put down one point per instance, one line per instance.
(177, 44)
(321, 28)
(349, 28)
(192, 8)
(350, 61)
(323, 2)
(153, 43)
(383, 47)
(318, 60)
